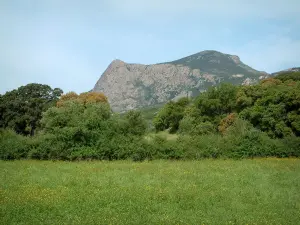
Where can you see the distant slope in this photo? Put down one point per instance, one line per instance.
(290, 74)
(290, 70)
(131, 86)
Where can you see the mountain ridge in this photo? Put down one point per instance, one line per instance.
(289, 70)
(130, 86)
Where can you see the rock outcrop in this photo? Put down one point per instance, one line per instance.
(130, 86)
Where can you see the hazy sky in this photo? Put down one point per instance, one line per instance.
(69, 43)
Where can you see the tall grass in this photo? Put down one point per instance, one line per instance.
(259, 191)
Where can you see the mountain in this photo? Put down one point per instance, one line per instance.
(130, 86)
(290, 70)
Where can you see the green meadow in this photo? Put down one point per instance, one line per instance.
(248, 191)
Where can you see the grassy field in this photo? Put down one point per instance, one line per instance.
(259, 191)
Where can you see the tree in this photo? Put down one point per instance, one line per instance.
(78, 129)
(66, 97)
(21, 109)
(295, 76)
(136, 123)
(84, 98)
(189, 125)
(227, 122)
(272, 106)
(217, 100)
(170, 115)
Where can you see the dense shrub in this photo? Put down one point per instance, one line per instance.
(295, 76)
(239, 140)
(242, 140)
(262, 120)
(136, 124)
(272, 106)
(75, 131)
(217, 101)
(191, 126)
(290, 146)
(170, 115)
(13, 146)
(199, 147)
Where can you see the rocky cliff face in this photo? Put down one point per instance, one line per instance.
(131, 86)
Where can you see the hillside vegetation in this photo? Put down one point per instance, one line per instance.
(226, 121)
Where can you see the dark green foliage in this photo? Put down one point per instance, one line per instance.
(77, 131)
(12, 145)
(160, 148)
(199, 147)
(217, 101)
(273, 107)
(170, 115)
(209, 108)
(21, 109)
(189, 125)
(136, 123)
(225, 122)
(295, 76)
(241, 140)
(49, 146)
(290, 147)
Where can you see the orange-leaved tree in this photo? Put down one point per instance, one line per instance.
(92, 97)
(227, 122)
(84, 98)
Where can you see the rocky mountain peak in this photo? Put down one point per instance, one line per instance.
(131, 86)
(116, 63)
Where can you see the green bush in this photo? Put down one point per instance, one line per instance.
(83, 153)
(136, 124)
(85, 132)
(189, 125)
(290, 147)
(47, 146)
(169, 116)
(13, 146)
(199, 147)
(242, 140)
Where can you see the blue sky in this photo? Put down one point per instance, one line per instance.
(69, 43)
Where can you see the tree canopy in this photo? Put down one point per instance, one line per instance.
(83, 98)
(170, 115)
(272, 106)
(21, 109)
(260, 120)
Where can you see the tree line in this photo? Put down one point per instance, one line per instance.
(226, 121)
(272, 106)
